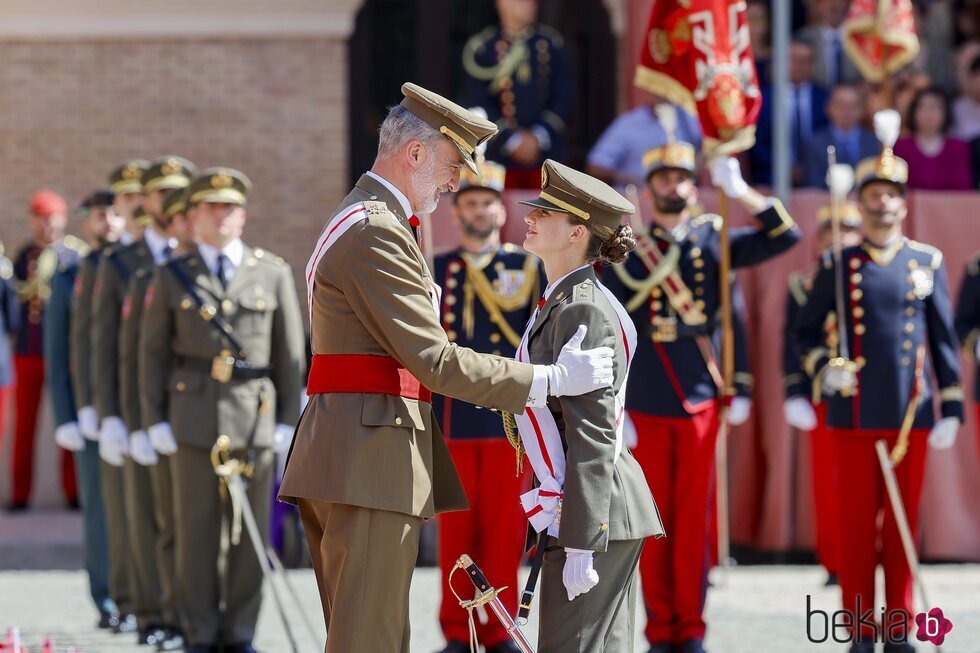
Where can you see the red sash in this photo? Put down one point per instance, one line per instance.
(363, 373)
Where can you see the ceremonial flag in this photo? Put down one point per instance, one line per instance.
(879, 36)
(697, 55)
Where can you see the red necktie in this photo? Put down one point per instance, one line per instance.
(414, 221)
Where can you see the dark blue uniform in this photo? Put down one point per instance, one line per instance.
(528, 88)
(968, 319)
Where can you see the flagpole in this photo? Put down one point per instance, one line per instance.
(727, 375)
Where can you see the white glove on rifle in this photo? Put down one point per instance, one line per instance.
(282, 438)
(799, 413)
(141, 450)
(578, 371)
(943, 434)
(726, 174)
(836, 379)
(88, 423)
(630, 437)
(68, 437)
(162, 438)
(113, 441)
(578, 575)
(738, 412)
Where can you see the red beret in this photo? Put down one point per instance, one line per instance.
(46, 203)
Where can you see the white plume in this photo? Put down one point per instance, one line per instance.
(840, 179)
(887, 123)
(667, 116)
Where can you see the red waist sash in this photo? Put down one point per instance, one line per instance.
(363, 373)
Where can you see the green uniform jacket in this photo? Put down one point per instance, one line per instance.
(177, 345)
(80, 347)
(129, 338)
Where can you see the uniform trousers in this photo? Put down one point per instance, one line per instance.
(863, 500)
(144, 575)
(492, 532)
(93, 525)
(363, 560)
(28, 386)
(166, 554)
(823, 456)
(677, 455)
(113, 501)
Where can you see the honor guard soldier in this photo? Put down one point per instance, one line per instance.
(100, 225)
(897, 307)
(968, 322)
(34, 266)
(9, 326)
(119, 445)
(220, 354)
(488, 293)
(518, 73)
(379, 351)
(671, 287)
(805, 412)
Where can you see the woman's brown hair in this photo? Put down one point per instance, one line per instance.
(607, 245)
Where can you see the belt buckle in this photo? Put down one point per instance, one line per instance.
(222, 366)
(664, 329)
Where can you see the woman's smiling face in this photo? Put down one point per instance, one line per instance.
(547, 232)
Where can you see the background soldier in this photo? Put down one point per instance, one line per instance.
(221, 349)
(899, 305)
(101, 225)
(518, 72)
(9, 325)
(805, 412)
(34, 266)
(672, 397)
(489, 292)
(968, 322)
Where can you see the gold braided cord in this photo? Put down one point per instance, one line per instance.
(502, 70)
(514, 438)
(495, 304)
(668, 263)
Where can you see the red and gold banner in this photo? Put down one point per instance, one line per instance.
(697, 55)
(879, 36)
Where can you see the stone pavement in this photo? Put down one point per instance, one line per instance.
(756, 609)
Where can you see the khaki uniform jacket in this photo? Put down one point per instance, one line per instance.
(177, 345)
(605, 499)
(129, 338)
(80, 347)
(372, 296)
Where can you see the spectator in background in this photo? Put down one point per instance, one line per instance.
(934, 25)
(936, 161)
(823, 34)
(805, 104)
(760, 35)
(852, 141)
(966, 108)
(617, 157)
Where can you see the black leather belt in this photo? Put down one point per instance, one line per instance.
(242, 370)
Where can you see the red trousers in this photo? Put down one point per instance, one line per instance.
(862, 501)
(492, 531)
(823, 452)
(29, 383)
(678, 457)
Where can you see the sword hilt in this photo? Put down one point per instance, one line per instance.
(473, 572)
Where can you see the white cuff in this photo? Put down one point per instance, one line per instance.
(538, 396)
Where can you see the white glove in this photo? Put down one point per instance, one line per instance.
(141, 450)
(68, 437)
(88, 423)
(836, 379)
(162, 438)
(113, 441)
(727, 175)
(282, 438)
(738, 412)
(630, 437)
(578, 371)
(943, 434)
(578, 575)
(799, 414)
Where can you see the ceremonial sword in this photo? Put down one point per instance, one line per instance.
(487, 595)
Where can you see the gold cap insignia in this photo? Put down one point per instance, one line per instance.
(131, 171)
(171, 167)
(221, 180)
(544, 178)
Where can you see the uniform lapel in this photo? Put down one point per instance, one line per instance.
(376, 192)
(243, 272)
(558, 295)
(202, 276)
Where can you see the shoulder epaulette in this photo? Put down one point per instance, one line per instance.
(936, 255)
(584, 291)
(708, 218)
(266, 256)
(797, 287)
(376, 208)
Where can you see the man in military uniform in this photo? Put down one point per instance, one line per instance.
(101, 225)
(898, 306)
(968, 322)
(124, 183)
(805, 412)
(488, 294)
(220, 354)
(671, 287)
(34, 266)
(518, 73)
(368, 462)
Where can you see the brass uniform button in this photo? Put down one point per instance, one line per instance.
(699, 291)
(910, 295)
(657, 306)
(907, 345)
(857, 294)
(656, 292)
(699, 303)
(227, 306)
(450, 300)
(454, 267)
(913, 264)
(909, 327)
(604, 527)
(855, 263)
(449, 318)
(181, 386)
(856, 277)
(910, 311)
(859, 329)
(906, 361)
(452, 283)
(496, 352)
(695, 252)
(451, 335)
(861, 361)
(699, 276)
(858, 312)
(495, 338)
(185, 304)
(260, 304)
(398, 421)
(698, 263)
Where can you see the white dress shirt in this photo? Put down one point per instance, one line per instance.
(234, 252)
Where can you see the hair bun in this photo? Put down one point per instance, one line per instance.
(619, 245)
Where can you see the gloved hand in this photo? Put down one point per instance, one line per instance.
(726, 174)
(799, 414)
(578, 371)
(578, 575)
(162, 438)
(141, 450)
(282, 438)
(88, 423)
(837, 379)
(943, 434)
(68, 437)
(738, 412)
(630, 437)
(113, 441)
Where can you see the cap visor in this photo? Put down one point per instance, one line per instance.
(220, 197)
(468, 158)
(540, 203)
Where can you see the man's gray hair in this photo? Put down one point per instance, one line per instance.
(401, 126)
